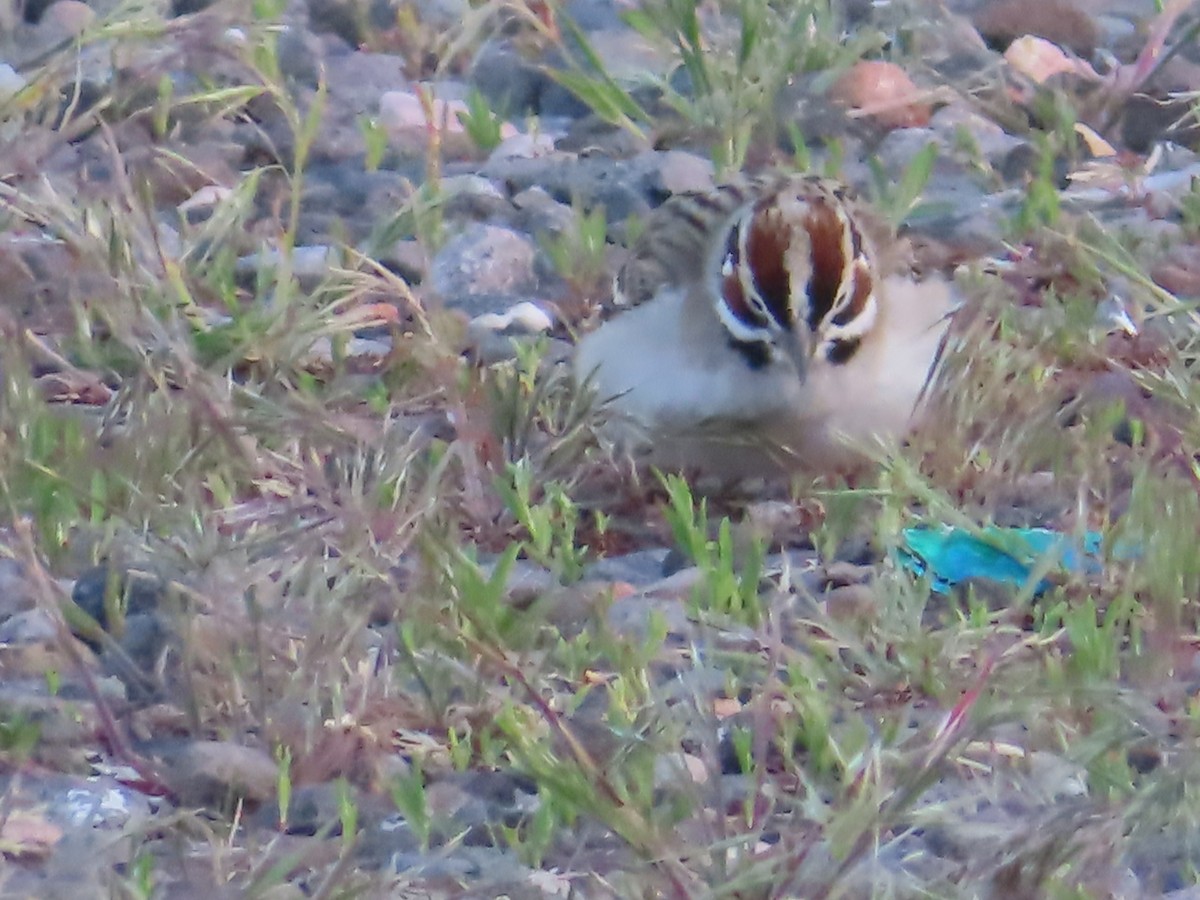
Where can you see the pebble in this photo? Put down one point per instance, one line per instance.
(483, 260)
(216, 774)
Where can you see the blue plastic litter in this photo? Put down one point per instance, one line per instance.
(950, 556)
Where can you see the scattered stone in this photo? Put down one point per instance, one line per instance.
(623, 187)
(539, 214)
(496, 337)
(410, 125)
(523, 146)
(483, 260)
(1059, 21)
(957, 128)
(33, 626)
(219, 774)
(68, 18)
(884, 93)
(137, 591)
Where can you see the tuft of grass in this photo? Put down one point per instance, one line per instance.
(579, 253)
(730, 64)
(351, 546)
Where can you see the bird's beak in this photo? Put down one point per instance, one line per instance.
(796, 346)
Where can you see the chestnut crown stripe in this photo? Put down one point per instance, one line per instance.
(774, 253)
(756, 283)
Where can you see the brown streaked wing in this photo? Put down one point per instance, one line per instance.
(678, 236)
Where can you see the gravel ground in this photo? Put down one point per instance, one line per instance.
(125, 770)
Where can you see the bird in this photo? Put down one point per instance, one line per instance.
(764, 326)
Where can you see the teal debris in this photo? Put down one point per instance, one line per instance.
(950, 556)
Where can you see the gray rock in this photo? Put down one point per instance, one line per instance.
(33, 626)
(593, 15)
(138, 590)
(623, 187)
(512, 85)
(310, 263)
(299, 56)
(492, 336)
(473, 198)
(339, 17)
(358, 79)
(952, 123)
(442, 13)
(640, 568)
(483, 260)
(539, 213)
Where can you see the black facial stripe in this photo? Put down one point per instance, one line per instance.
(757, 354)
(856, 240)
(842, 350)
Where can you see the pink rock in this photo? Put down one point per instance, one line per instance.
(403, 117)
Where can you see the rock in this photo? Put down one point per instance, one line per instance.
(594, 15)
(852, 603)
(299, 53)
(138, 591)
(1060, 21)
(642, 567)
(516, 86)
(68, 18)
(623, 187)
(403, 116)
(317, 807)
(630, 614)
(405, 258)
(33, 626)
(884, 93)
(442, 14)
(473, 197)
(345, 18)
(188, 7)
(957, 121)
(358, 79)
(217, 774)
(524, 318)
(10, 81)
(523, 146)
(309, 263)
(482, 260)
(538, 213)
(16, 592)
(495, 337)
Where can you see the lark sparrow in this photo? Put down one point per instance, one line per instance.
(759, 328)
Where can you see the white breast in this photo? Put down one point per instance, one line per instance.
(657, 370)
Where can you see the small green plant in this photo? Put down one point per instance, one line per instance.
(19, 735)
(730, 67)
(347, 814)
(283, 764)
(408, 793)
(579, 253)
(1041, 205)
(1189, 208)
(896, 200)
(731, 579)
(375, 136)
(482, 124)
(550, 522)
